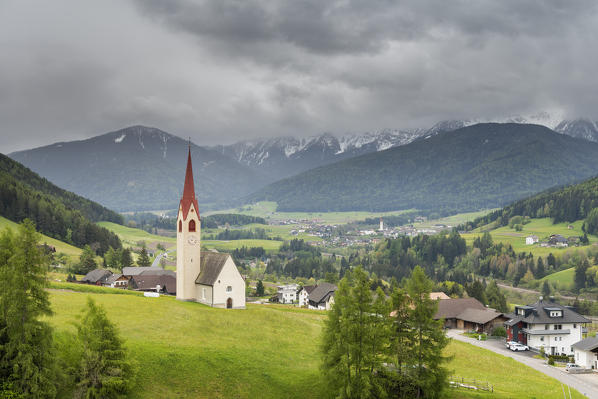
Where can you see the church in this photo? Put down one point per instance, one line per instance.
(211, 278)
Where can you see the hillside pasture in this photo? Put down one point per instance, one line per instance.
(188, 350)
(71, 251)
(267, 210)
(563, 279)
(542, 228)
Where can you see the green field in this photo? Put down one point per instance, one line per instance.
(542, 228)
(267, 210)
(131, 236)
(71, 251)
(268, 245)
(562, 280)
(188, 350)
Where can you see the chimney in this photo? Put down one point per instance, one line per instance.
(552, 299)
(541, 298)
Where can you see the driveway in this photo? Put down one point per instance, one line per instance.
(587, 384)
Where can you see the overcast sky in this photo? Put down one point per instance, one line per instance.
(221, 71)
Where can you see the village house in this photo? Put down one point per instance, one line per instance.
(161, 283)
(546, 324)
(586, 353)
(287, 293)
(303, 294)
(116, 281)
(207, 277)
(530, 240)
(96, 277)
(322, 297)
(468, 314)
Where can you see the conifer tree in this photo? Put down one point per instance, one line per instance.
(259, 288)
(27, 365)
(87, 261)
(126, 259)
(143, 259)
(104, 371)
(429, 340)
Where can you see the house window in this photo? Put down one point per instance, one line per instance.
(192, 225)
(180, 226)
(541, 338)
(203, 293)
(229, 288)
(574, 325)
(546, 326)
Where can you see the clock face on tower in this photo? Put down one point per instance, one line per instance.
(192, 240)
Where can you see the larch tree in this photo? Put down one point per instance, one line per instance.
(104, 371)
(27, 365)
(428, 340)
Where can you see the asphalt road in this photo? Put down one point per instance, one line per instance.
(587, 384)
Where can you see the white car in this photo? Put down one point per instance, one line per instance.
(519, 347)
(509, 343)
(571, 366)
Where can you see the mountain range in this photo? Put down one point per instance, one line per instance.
(480, 166)
(141, 168)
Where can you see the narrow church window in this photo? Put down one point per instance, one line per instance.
(229, 288)
(180, 226)
(192, 225)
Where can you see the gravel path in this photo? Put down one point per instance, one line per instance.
(587, 384)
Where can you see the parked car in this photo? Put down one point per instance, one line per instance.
(510, 343)
(519, 347)
(571, 366)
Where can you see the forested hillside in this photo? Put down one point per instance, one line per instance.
(568, 204)
(480, 166)
(56, 212)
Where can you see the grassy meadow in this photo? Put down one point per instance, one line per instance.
(188, 350)
(267, 210)
(71, 251)
(563, 279)
(542, 228)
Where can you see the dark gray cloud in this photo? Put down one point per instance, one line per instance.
(225, 70)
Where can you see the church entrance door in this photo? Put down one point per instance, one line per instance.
(229, 303)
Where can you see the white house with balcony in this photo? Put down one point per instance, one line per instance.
(546, 324)
(287, 293)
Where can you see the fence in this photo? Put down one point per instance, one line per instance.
(473, 384)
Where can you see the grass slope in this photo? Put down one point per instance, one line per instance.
(187, 350)
(71, 251)
(268, 210)
(540, 227)
(565, 279)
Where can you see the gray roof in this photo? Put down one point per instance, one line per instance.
(450, 308)
(157, 272)
(320, 293)
(512, 319)
(307, 288)
(540, 314)
(587, 344)
(96, 275)
(149, 282)
(479, 316)
(135, 271)
(210, 267)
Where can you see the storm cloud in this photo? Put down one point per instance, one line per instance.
(222, 70)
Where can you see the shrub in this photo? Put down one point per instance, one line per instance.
(551, 360)
(499, 332)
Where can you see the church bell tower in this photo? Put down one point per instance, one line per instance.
(188, 240)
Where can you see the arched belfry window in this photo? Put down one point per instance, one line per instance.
(180, 226)
(192, 225)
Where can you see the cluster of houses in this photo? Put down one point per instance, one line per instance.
(151, 279)
(320, 296)
(558, 329)
(555, 241)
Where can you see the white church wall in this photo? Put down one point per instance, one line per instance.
(229, 276)
(204, 294)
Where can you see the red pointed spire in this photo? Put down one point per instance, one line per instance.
(189, 189)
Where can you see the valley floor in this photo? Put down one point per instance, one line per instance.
(187, 350)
